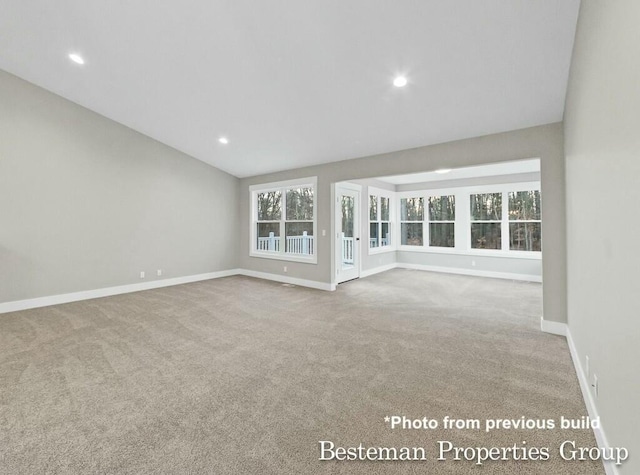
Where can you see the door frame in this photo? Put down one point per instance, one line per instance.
(336, 247)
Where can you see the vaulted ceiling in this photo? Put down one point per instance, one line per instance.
(296, 83)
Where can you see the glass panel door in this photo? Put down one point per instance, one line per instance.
(348, 236)
(348, 206)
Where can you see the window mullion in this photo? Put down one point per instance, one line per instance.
(505, 221)
(264, 200)
(425, 223)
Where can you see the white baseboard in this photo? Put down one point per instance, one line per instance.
(109, 291)
(314, 284)
(477, 273)
(587, 394)
(555, 328)
(377, 270)
(453, 270)
(38, 302)
(562, 329)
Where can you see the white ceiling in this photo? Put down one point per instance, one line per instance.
(295, 83)
(493, 169)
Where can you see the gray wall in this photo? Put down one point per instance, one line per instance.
(464, 262)
(602, 123)
(87, 203)
(544, 142)
(379, 259)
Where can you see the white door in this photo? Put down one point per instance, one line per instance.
(348, 233)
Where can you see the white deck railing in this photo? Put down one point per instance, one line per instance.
(383, 242)
(269, 243)
(295, 244)
(300, 244)
(305, 245)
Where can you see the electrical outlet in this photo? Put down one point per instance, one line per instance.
(285, 268)
(586, 366)
(324, 232)
(142, 275)
(473, 263)
(159, 272)
(595, 385)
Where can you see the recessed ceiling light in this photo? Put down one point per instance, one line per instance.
(223, 140)
(443, 170)
(76, 58)
(400, 81)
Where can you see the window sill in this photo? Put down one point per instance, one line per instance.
(381, 250)
(285, 257)
(536, 256)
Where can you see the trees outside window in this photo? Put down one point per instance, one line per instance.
(284, 220)
(486, 221)
(525, 225)
(412, 221)
(442, 217)
(379, 221)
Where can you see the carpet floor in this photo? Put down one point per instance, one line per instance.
(245, 376)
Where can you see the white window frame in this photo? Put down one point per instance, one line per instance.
(381, 193)
(409, 195)
(489, 221)
(427, 220)
(283, 186)
(524, 221)
(463, 220)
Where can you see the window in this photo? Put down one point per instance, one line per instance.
(435, 228)
(284, 220)
(524, 221)
(486, 221)
(516, 228)
(495, 219)
(411, 221)
(379, 221)
(269, 217)
(442, 216)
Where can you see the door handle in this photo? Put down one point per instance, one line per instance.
(357, 239)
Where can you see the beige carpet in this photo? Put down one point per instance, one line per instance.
(239, 375)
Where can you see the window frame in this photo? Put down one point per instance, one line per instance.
(412, 195)
(487, 221)
(381, 193)
(523, 221)
(462, 228)
(505, 250)
(283, 187)
(428, 221)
